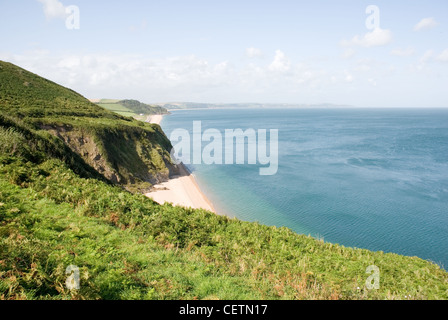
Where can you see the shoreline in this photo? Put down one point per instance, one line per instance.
(155, 119)
(179, 190)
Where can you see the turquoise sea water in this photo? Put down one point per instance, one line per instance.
(367, 178)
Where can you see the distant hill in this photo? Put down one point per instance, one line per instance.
(131, 108)
(198, 105)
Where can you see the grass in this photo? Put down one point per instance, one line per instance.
(38, 106)
(128, 247)
(118, 108)
(57, 209)
(131, 108)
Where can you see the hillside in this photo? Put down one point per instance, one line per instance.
(63, 164)
(127, 152)
(131, 108)
(197, 105)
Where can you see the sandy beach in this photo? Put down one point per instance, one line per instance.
(181, 190)
(157, 118)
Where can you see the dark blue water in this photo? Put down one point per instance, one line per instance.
(367, 178)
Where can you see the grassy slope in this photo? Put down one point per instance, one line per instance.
(118, 108)
(130, 108)
(56, 211)
(129, 247)
(132, 152)
(142, 108)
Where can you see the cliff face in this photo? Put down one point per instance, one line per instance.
(124, 151)
(131, 157)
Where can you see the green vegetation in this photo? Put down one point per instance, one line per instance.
(142, 108)
(57, 210)
(131, 108)
(125, 151)
(118, 108)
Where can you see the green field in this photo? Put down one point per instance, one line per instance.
(131, 108)
(117, 108)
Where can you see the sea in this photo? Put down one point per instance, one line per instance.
(368, 178)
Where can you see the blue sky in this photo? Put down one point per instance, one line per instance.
(236, 51)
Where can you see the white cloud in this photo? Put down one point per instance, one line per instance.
(431, 56)
(192, 78)
(443, 57)
(372, 82)
(364, 65)
(53, 9)
(181, 78)
(348, 76)
(425, 24)
(402, 52)
(281, 63)
(428, 55)
(430, 60)
(421, 65)
(126, 75)
(253, 53)
(377, 37)
(348, 53)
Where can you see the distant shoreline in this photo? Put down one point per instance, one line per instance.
(180, 190)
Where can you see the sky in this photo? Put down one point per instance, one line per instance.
(362, 53)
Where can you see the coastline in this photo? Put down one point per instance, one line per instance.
(155, 119)
(180, 190)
